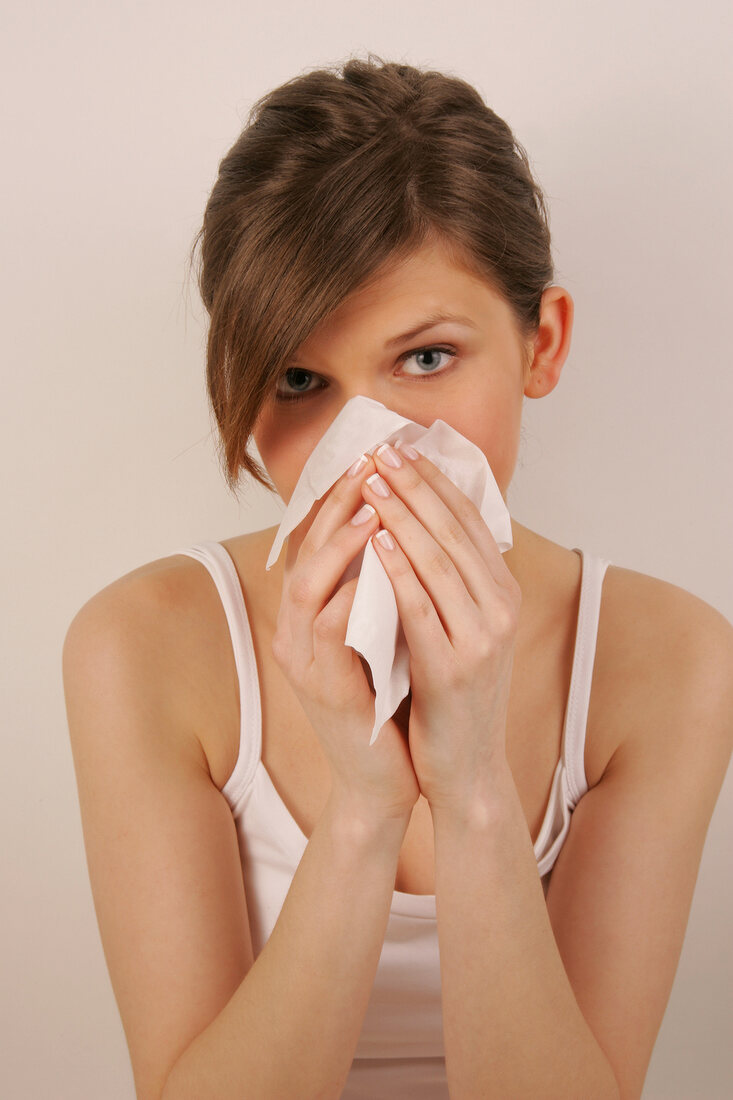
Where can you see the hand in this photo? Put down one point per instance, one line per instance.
(459, 606)
(328, 676)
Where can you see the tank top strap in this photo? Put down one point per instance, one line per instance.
(576, 718)
(218, 561)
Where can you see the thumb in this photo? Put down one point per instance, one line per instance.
(337, 613)
(294, 540)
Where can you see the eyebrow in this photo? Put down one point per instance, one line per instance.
(428, 322)
(436, 318)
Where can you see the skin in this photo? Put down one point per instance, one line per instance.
(581, 979)
(480, 392)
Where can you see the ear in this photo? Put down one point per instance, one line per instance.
(551, 343)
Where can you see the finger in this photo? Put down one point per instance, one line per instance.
(445, 561)
(315, 577)
(339, 663)
(429, 522)
(327, 514)
(461, 507)
(425, 633)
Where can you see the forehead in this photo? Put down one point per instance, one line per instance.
(433, 260)
(432, 279)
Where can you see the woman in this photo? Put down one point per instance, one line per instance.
(491, 900)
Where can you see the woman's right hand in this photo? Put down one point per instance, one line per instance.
(328, 676)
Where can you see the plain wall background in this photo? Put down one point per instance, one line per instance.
(115, 119)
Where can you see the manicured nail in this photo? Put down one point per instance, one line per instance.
(366, 512)
(360, 462)
(386, 539)
(406, 449)
(377, 486)
(388, 456)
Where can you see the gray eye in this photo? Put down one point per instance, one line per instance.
(295, 379)
(433, 364)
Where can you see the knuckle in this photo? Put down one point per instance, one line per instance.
(280, 648)
(505, 619)
(440, 563)
(421, 609)
(324, 628)
(489, 638)
(300, 590)
(468, 515)
(430, 473)
(484, 645)
(453, 533)
(411, 478)
(400, 569)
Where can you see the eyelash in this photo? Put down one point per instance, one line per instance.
(288, 399)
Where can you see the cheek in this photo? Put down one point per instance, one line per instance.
(284, 448)
(494, 427)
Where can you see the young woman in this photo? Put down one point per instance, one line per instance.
(491, 900)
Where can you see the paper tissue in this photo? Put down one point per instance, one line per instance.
(374, 629)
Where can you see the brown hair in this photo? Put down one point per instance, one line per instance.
(336, 173)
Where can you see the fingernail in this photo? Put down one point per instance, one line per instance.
(388, 456)
(366, 512)
(377, 486)
(386, 539)
(406, 449)
(360, 462)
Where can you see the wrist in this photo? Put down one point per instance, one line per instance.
(363, 823)
(482, 806)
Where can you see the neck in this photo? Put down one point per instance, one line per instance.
(521, 560)
(537, 565)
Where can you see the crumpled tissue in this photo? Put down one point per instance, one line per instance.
(374, 629)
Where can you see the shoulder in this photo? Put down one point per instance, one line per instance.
(665, 666)
(152, 600)
(658, 629)
(622, 886)
(159, 633)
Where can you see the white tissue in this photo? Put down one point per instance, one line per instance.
(374, 629)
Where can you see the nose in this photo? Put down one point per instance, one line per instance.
(403, 407)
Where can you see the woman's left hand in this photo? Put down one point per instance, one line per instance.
(459, 606)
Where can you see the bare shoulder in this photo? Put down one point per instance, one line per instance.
(168, 597)
(622, 886)
(664, 667)
(161, 845)
(169, 615)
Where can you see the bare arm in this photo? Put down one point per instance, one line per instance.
(511, 1021)
(292, 1026)
(201, 1018)
(566, 999)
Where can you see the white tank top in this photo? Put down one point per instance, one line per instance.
(400, 1051)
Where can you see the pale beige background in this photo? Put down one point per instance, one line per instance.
(115, 118)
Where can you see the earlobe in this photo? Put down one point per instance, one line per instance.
(551, 342)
